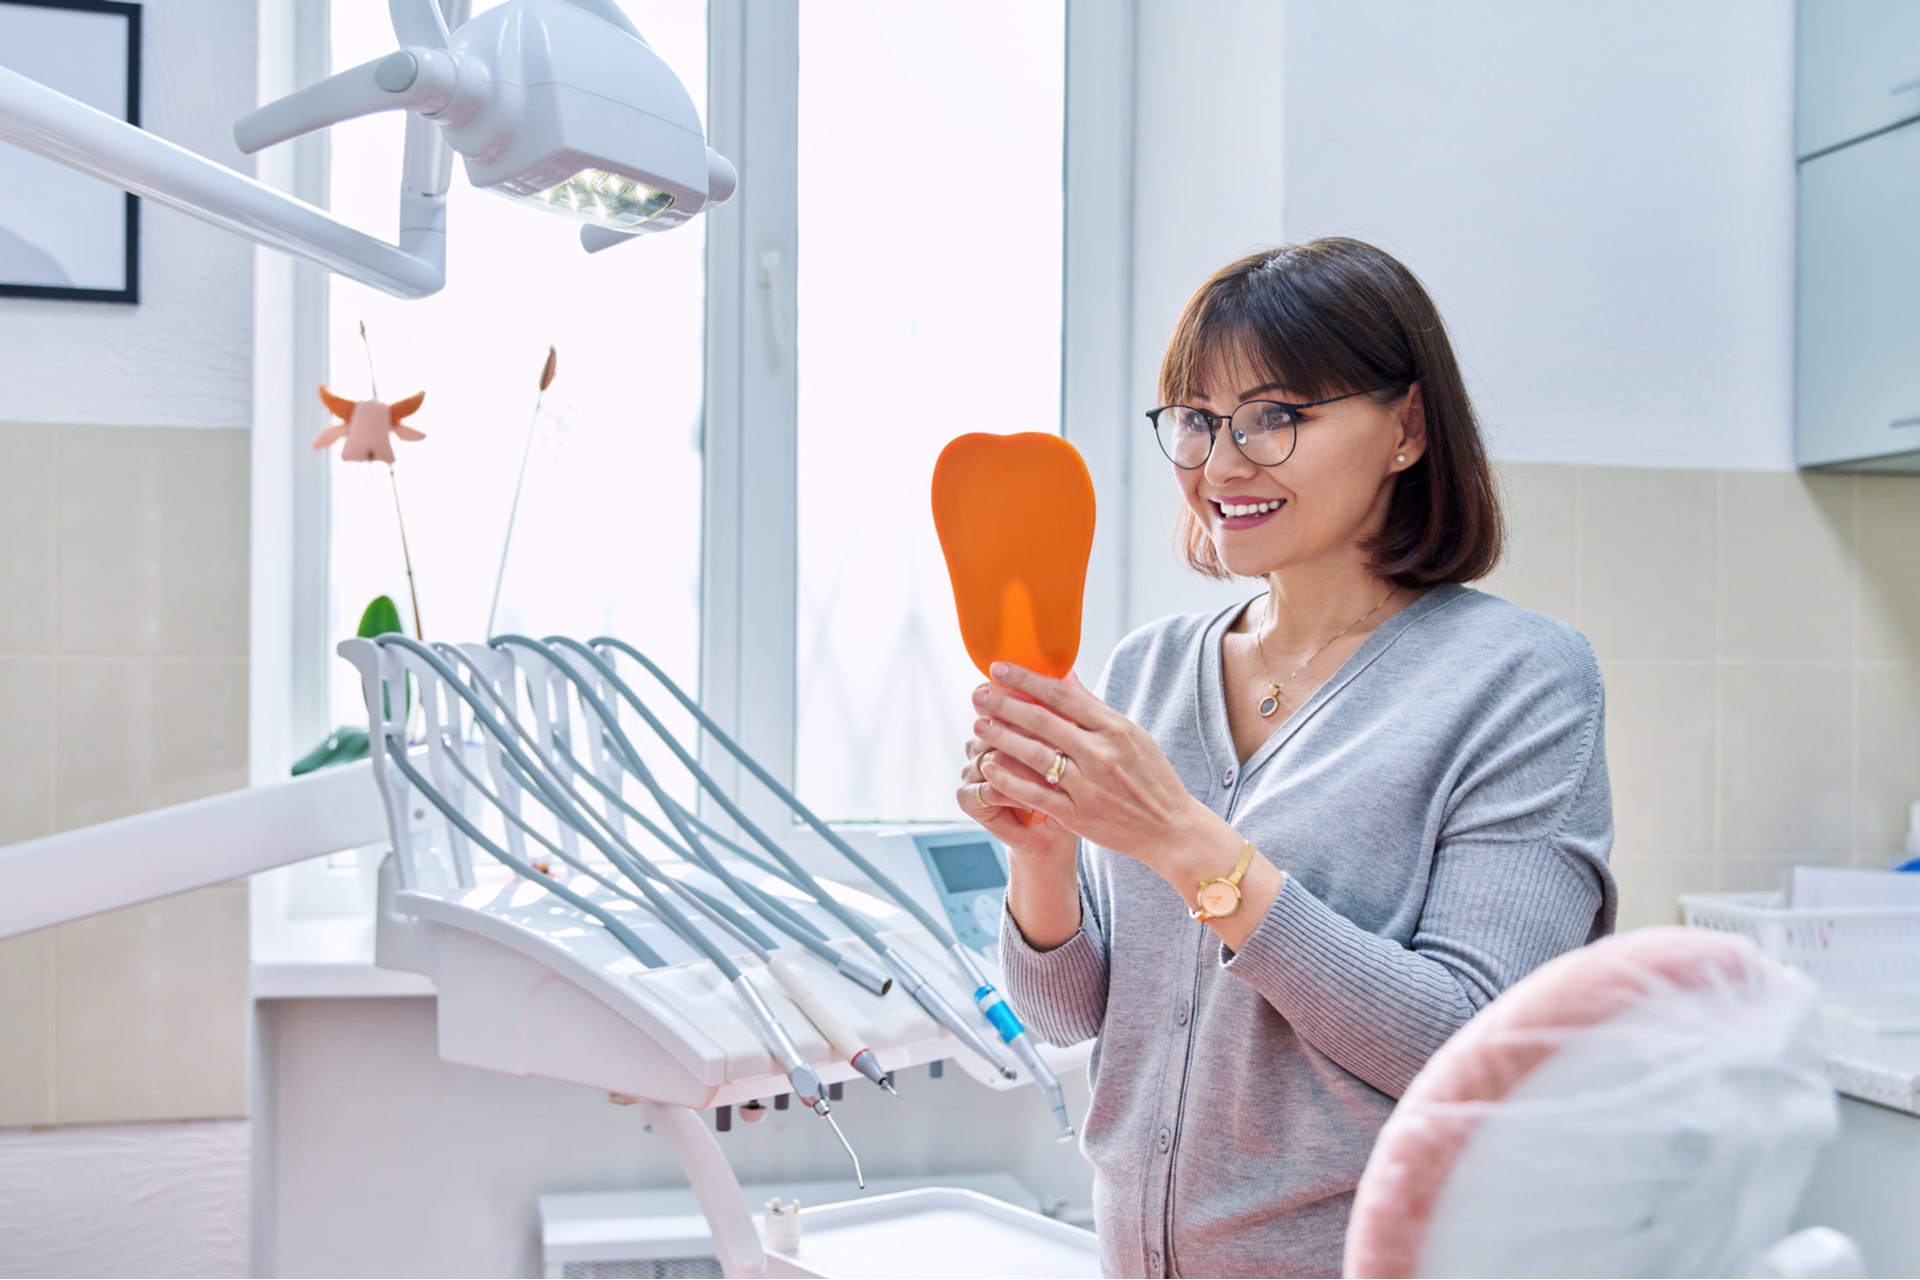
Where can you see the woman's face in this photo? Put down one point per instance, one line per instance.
(1332, 491)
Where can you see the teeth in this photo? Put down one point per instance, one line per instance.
(1235, 509)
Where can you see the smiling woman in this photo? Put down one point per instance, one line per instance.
(1272, 899)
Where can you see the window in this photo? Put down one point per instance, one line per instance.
(929, 304)
(747, 500)
(607, 538)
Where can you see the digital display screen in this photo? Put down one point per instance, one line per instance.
(964, 868)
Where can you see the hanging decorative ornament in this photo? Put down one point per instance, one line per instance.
(366, 425)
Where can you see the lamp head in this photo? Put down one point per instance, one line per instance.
(563, 110)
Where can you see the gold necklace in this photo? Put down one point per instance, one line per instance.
(1271, 703)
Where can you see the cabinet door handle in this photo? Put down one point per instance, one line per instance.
(1906, 87)
(1913, 421)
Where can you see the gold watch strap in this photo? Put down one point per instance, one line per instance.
(1240, 867)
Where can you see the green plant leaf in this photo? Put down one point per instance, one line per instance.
(382, 617)
(343, 746)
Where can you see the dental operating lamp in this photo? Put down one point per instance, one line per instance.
(557, 104)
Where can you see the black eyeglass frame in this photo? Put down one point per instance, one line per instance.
(1216, 421)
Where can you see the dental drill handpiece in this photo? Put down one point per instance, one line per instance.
(993, 1006)
(806, 1084)
(799, 1075)
(1000, 1013)
(916, 986)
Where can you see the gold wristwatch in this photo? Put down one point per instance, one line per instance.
(1220, 896)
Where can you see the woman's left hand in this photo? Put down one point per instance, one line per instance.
(1117, 787)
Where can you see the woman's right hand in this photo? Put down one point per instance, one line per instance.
(1043, 890)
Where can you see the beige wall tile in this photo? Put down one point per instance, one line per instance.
(139, 733)
(27, 542)
(152, 1011)
(1646, 562)
(1758, 872)
(1660, 751)
(1786, 759)
(28, 731)
(1538, 568)
(1651, 885)
(1786, 572)
(153, 550)
(1888, 738)
(1889, 617)
(26, 1029)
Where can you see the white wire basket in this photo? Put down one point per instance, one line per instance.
(1838, 947)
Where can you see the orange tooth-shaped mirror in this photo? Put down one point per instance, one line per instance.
(1015, 518)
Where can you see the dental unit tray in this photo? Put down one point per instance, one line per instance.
(679, 961)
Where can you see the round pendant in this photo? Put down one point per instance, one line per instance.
(1269, 705)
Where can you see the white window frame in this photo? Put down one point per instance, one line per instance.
(749, 564)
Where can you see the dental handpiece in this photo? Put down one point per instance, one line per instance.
(1000, 1013)
(844, 1041)
(1011, 1030)
(805, 1082)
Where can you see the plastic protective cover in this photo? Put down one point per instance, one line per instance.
(1650, 1105)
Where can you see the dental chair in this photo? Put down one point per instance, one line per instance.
(1650, 1105)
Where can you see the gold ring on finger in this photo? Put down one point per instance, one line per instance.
(1058, 769)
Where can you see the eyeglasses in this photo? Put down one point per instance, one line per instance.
(1265, 430)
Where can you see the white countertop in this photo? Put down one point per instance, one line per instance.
(1879, 1069)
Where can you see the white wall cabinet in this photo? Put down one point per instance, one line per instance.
(1859, 70)
(1857, 317)
(1857, 311)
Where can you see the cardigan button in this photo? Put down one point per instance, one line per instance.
(1180, 1014)
(1226, 779)
(1163, 1141)
(1153, 1262)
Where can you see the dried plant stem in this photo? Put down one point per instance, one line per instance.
(406, 555)
(373, 383)
(519, 483)
(500, 576)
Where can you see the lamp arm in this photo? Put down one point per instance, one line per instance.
(49, 123)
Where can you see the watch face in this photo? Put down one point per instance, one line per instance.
(1218, 898)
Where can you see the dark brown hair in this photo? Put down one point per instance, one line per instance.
(1332, 316)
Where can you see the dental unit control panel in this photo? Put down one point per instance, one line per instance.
(957, 868)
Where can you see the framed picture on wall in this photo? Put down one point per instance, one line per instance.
(64, 234)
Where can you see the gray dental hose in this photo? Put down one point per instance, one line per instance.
(735, 923)
(694, 850)
(800, 1075)
(645, 954)
(917, 986)
(991, 1004)
(791, 923)
(728, 918)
